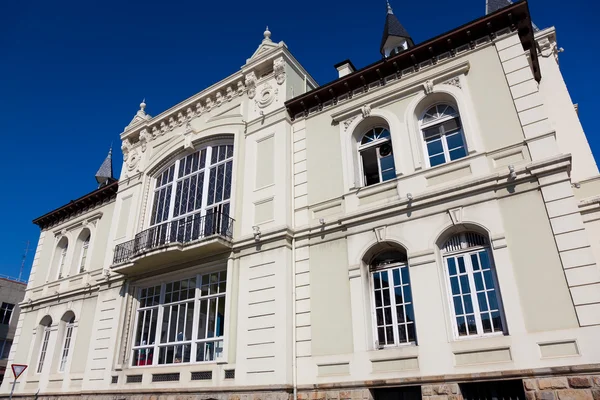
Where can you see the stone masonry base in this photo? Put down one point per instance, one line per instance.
(574, 387)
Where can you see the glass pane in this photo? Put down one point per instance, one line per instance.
(458, 308)
(489, 280)
(437, 160)
(497, 322)
(454, 140)
(396, 274)
(468, 304)
(398, 295)
(471, 324)
(405, 275)
(381, 335)
(379, 316)
(478, 281)
(387, 315)
(454, 285)
(461, 265)
(458, 153)
(434, 147)
(220, 329)
(389, 331)
(400, 314)
(481, 300)
(412, 336)
(462, 326)
(451, 266)
(407, 294)
(388, 170)
(485, 321)
(431, 133)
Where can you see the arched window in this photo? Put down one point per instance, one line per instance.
(394, 316)
(442, 134)
(69, 320)
(375, 151)
(476, 303)
(46, 323)
(85, 238)
(193, 194)
(63, 247)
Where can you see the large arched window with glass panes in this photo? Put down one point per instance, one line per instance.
(375, 149)
(476, 303)
(192, 196)
(443, 135)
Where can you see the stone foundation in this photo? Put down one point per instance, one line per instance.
(581, 387)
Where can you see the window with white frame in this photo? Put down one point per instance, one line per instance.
(62, 257)
(67, 344)
(84, 251)
(394, 316)
(6, 311)
(475, 297)
(375, 150)
(443, 135)
(181, 322)
(194, 195)
(43, 348)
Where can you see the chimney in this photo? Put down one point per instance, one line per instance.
(345, 68)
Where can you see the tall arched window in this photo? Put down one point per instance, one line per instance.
(85, 244)
(442, 134)
(194, 195)
(394, 315)
(377, 158)
(69, 320)
(63, 247)
(476, 303)
(46, 323)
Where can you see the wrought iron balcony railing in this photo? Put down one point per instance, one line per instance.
(183, 230)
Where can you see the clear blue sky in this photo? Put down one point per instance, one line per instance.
(72, 74)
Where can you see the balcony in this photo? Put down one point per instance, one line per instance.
(184, 239)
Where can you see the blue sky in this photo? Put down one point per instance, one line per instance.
(72, 74)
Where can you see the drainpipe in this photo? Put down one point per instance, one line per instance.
(293, 219)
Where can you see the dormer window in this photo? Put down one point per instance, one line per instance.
(377, 157)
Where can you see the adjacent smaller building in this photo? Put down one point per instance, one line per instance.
(12, 292)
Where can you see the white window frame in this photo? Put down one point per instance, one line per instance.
(466, 252)
(377, 143)
(65, 353)
(62, 260)
(43, 349)
(84, 250)
(194, 341)
(4, 310)
(443, 140)
(207, 167)
(388, 269)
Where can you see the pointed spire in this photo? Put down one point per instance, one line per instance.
(395, 38)
(104, 176)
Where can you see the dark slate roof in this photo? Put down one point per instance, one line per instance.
(99, 196)
(495, 5)
(393, 27)
(105, 173)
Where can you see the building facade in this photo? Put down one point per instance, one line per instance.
(426, 226)
(12, 292)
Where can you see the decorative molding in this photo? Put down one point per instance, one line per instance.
(267, 96)
(251, 84)
(125, 149)
(548, 47)
(279, 70)
(348, 122)
(366, 110)
(145, 137)
(456, 215)
(428, 86)
(454, 82)
(381, 233)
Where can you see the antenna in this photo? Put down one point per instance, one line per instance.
(23, 260)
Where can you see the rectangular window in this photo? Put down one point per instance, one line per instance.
(43, 350)
(394, 314)
(474, 293)
(67, 345)
(192, 321)
(6, 312)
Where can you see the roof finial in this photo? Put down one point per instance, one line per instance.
(389, 7)
(143, 105)
(267, 34)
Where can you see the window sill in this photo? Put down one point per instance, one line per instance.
(402, 351)
(366, 191)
